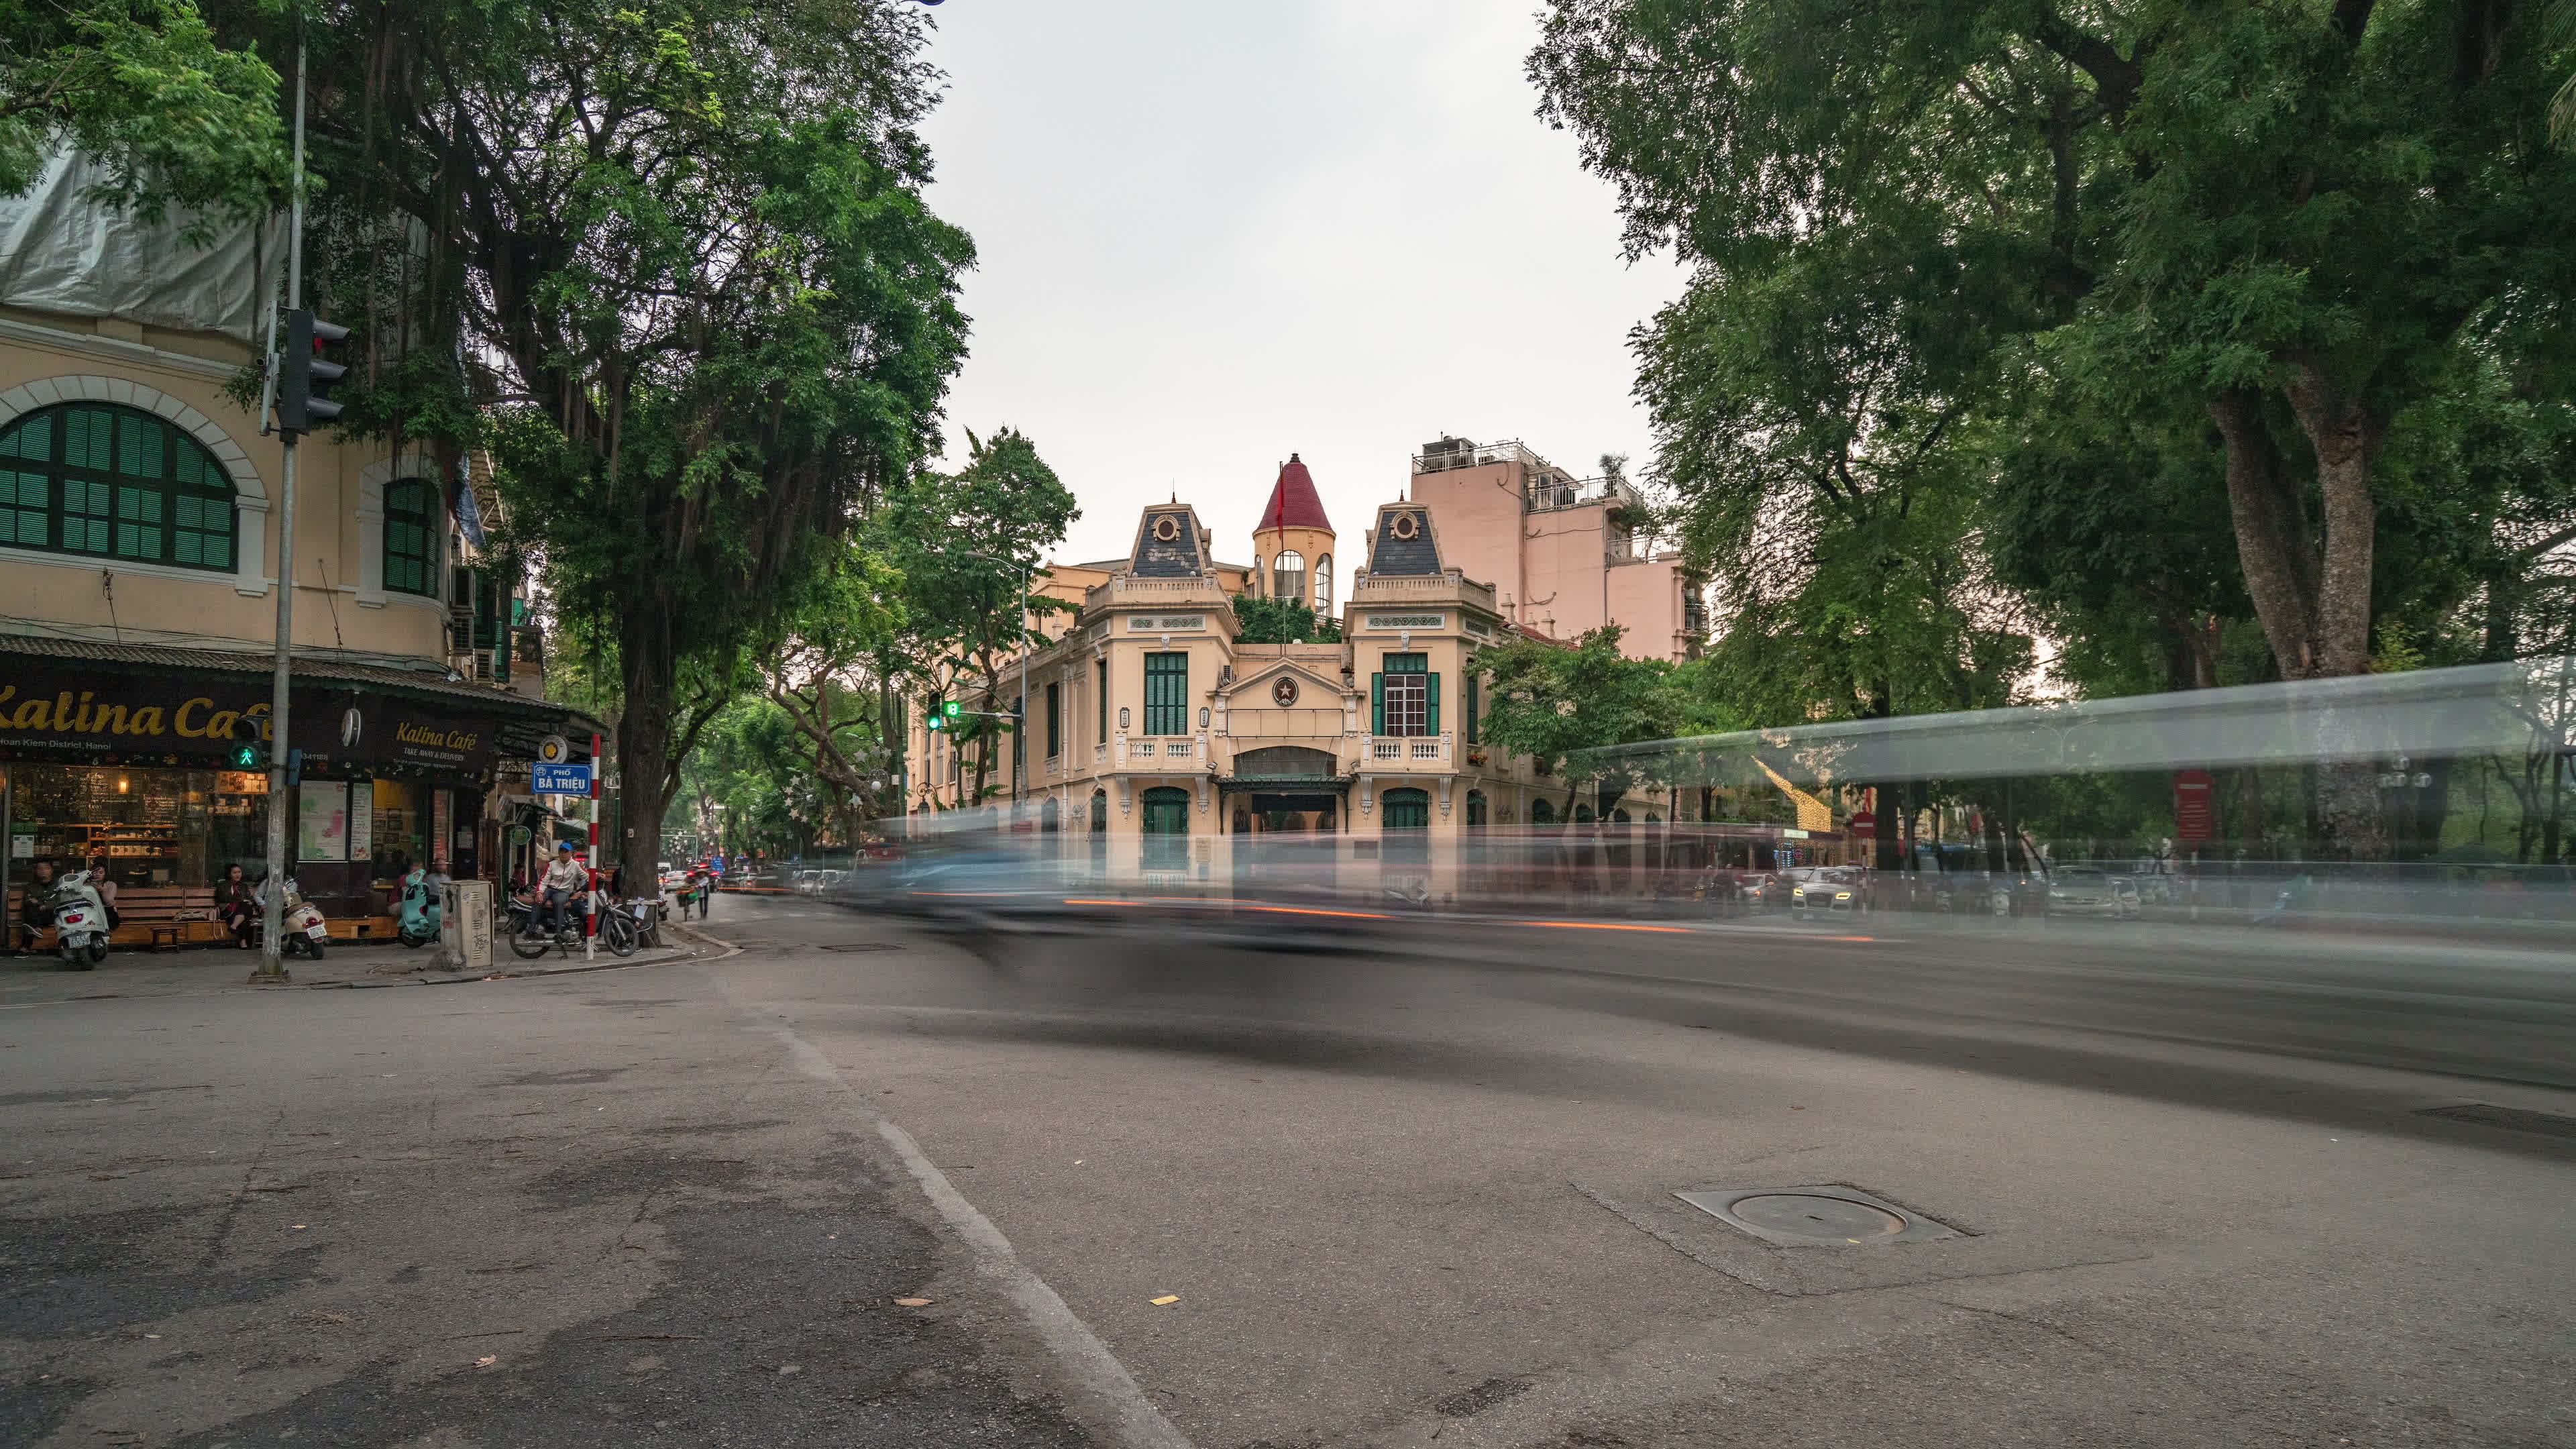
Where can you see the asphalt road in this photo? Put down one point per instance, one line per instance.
(2222, 1187)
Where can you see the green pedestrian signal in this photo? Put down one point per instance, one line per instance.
(245, 757)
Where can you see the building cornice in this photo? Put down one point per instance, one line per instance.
(117, 348)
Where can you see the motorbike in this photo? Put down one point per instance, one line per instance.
(79, 920)
(417, 923)
(304, 928)
(621, 929)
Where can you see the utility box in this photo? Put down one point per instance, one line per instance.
(465, 926)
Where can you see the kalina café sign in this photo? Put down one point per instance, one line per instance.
(73, 715)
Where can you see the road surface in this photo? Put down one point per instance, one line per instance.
(2224, 1188)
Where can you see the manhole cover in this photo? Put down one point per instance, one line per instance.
(1826, 1216)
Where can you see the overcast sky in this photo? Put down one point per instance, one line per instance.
(1214, 234)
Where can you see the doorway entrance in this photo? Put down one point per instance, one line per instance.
(1166, 825)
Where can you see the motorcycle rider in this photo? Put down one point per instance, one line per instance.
(563, 877)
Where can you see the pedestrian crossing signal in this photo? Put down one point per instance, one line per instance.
(245, 757)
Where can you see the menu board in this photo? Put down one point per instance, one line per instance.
(322, 820)
(362, 820)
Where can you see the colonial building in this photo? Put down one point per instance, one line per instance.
(1160, 742)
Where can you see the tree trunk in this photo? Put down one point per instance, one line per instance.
(650, 672)
(2271, 521)
(2345, 434)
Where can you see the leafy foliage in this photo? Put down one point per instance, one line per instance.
(1557, 704)
(669, 263)
(966, 544)
(1281, 621)
(148, 88)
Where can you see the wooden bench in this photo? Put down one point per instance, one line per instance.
(160, 917)
(165, 918)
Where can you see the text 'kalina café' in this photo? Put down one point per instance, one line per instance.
(157, 759)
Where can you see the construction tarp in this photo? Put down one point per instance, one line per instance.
(65, 253)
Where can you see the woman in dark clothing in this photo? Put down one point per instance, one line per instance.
(33, 914)
(237, 906)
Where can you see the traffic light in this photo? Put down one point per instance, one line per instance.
(304, 377)
(245, 757)
(950, 708)
(935, 718)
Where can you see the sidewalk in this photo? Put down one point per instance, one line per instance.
(42, 981)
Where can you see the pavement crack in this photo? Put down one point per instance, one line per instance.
(2025, 1321)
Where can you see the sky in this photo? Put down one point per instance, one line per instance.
(1210, 235)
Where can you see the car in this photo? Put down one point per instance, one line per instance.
(2084, 890)
(1828, 888)
(807, 882)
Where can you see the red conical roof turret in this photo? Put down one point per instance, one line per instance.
(1293, 503)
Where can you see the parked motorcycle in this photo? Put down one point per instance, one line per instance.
(304, 928)
(79, 919)
(416, 923)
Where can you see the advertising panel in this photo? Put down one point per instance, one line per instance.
(322, 820)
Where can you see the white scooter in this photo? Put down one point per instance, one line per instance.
(303, 923)
(79, 920)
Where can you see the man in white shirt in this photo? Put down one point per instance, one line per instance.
(566, 875)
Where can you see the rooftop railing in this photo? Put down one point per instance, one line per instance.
(1451, 453)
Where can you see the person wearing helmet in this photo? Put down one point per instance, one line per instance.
(565, 876)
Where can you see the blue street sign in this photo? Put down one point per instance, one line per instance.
(560, 780)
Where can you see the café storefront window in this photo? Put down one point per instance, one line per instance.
(161, 826)
(156, 826)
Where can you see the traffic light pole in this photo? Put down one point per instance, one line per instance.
(272, 910)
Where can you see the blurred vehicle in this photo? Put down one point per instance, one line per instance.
(807, 882)
(1826, 888)
(2087, 890)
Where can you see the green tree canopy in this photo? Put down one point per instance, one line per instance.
(146, 87)
(668, 261)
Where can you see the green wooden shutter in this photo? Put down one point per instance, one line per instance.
(1431, 704)
(1377, 704)
(1472, 692)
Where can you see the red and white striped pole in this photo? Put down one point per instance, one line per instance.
(594, 802)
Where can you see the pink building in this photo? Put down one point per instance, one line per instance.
(1561, 552)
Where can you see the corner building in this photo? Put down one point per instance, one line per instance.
(1163, 749)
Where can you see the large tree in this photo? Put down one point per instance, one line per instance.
(968, 543)
(2281, 216)
(669, 263)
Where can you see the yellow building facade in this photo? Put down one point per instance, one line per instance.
(1163, 749)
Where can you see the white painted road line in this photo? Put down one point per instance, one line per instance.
(1095, 1375)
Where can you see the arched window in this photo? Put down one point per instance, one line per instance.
(1324, 584)
(411, 537)
(1476, 809)
(1288, 575)
(1542, 812)
(1259, 579)
(113, 482)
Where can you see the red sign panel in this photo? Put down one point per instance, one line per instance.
(2195, 807)
(1864, 825)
